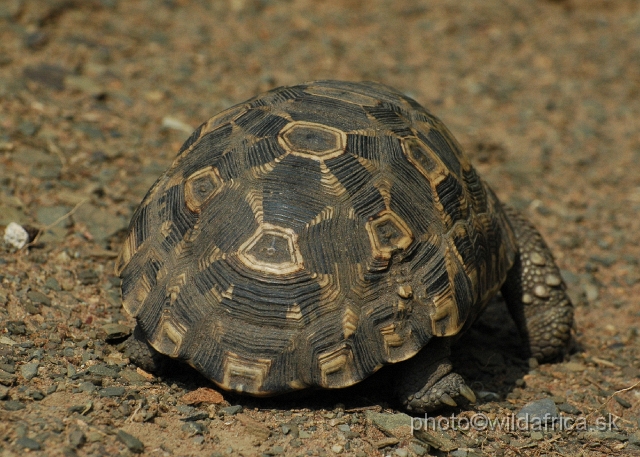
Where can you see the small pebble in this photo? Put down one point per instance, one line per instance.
(336, 448)
(538, 412)
(77, 438)
(29, 370)
(622, 402)
(132, 443)
(402, 452)
(28, 443)
(418, 449)
(230, 410)
(14, 405)
(38, 298)
(113, 391)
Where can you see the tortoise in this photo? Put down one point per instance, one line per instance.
(315, 233)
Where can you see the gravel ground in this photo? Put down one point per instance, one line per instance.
(96, 97)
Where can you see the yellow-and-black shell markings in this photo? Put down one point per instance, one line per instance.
(311, 235)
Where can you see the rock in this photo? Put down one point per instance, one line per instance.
(132, 443)
(622, 402)
(193, 428)
(103, 371)
(466, 453)
(132, 377)
(634, 438)
(113, 391)
(202, 395)
(38, 298)
(337, 449)
(567, 408)
(230, 410)
(385, 442)
(29, 370)
(539, 412)
(398, 425)
(536, 436)
(116, 331)
(401, 452)
(14, 405)
(435, 439)
(77, 438)
(195, 417)
(28, 443)
(7, 379)
(49, 215)
(4, 392)
(15, 236)
(418, 450)
(15, 328)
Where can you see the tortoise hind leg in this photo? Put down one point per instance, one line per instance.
(535, 293)
(142, 354)
(426, 381)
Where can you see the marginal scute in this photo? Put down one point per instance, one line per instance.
(445, 321)
(200, 187)
(313, 141)
(272, 249)
(335, 367)
(168, 337)
(244, 374)
(388, 233)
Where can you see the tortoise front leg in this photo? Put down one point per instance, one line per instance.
(426, 382)
(535, 293)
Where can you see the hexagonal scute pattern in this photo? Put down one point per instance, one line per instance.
(311, 235)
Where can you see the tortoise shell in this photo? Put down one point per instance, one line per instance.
(311, 235)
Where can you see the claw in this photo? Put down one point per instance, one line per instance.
(447, 400)
(467, 393)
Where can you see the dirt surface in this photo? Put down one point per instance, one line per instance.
(96, 98)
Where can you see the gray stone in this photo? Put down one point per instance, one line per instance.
(14, 405)
(567, 408)
(48, 215)
(398, 425)
(28, 443)
(113, 391)
(103, 370)
(435, 439)
(418, 449)
(4, 392)
(344, 428)
(87, 387)
(29, 370)
(77, 438)
(193, 428)
(132, 377)
(634, 438)
(116, 331)
(538, 412)
(230, 410)
(536, 436)
(7, 379)
(132, 443)
(38, 298)
(466, 453)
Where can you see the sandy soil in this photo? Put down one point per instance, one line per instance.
(96, 98)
